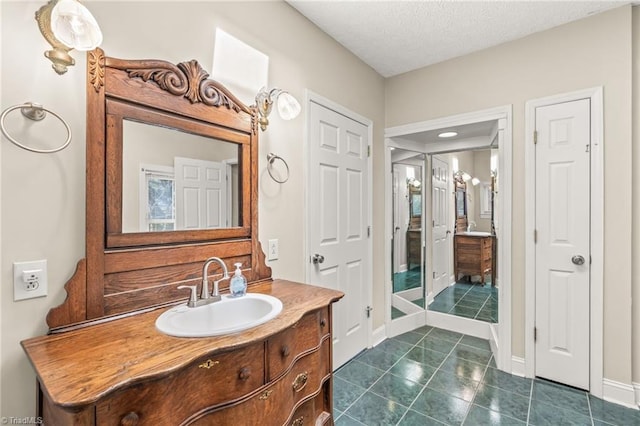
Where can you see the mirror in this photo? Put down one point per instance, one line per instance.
(461, 200)
(172, 180)
(172, 167)
(407, 247)
(472, 291)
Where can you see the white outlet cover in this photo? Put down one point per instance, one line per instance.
(20, 291)
(273, 250)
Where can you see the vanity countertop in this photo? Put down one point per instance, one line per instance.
(78, 367)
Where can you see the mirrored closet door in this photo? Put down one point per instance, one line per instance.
(470, 290)
(408, 255)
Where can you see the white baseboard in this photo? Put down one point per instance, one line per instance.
(636, 388)
(378, 336)
(517, 366)
(459, 324)
(619, 393)
(494, 343)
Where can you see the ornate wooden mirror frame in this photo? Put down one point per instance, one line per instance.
(127, 273)
(460, 201)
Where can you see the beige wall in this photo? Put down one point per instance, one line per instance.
(592, 52)
(43, 195)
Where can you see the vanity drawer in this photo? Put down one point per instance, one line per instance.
(273, 404)
(285, 347)
(207, 382)
(313, 411)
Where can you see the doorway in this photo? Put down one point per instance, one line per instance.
(338, 240)
(423, 137)
(564, 186)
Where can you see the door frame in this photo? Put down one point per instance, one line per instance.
(310, 96)
(594, 94)
(500, 334)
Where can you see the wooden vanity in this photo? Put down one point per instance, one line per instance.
(103, 361)
(125, 372)
(473, 256)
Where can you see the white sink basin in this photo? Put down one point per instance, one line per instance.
(477, 234)
(229, 315)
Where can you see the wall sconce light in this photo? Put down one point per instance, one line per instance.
(413, 182)
(466, 177)
(288, 106)
(67, 25)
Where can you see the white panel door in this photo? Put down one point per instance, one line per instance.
(338, 219)
(562, 248)
(440, 215)
(201, 194)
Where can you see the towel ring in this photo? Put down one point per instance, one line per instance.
(35, 112)
(271, 158)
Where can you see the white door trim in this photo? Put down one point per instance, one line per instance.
(394, 137)
(596, 229)
(310, 96)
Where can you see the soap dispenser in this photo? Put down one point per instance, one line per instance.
(238, 285)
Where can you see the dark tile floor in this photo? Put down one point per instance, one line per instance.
(432, 376)
(467, 300)
(406, 280)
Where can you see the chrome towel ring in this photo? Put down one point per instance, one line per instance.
(271, 158)
(35, 112)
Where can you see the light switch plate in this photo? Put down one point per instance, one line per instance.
(29, 279)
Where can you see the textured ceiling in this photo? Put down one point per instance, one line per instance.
(394, 37)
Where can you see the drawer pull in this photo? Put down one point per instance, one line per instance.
(323, 322)
(131, 419)
(265, 395)
(208, 364)
(244, 373)
(285, 351)
(298, 422)
(300, 382)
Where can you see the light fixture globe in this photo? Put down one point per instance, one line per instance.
(288, 106)
(75, 26)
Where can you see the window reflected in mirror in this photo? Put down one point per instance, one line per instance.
(173, 180)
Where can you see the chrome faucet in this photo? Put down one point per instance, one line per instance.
(205, 297)
(471, 226)
(205, 279)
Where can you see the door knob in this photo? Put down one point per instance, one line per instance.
(578, 260)
(317, 258)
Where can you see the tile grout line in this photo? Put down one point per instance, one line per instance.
(482, 307)
(530, 400)
(590, 412)
(385, 372)
(430, 378)
(486, 367)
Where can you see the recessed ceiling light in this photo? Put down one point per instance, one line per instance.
(447, 134)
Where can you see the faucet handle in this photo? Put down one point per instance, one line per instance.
(193, 298)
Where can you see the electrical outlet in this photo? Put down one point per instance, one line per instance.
(29, 279)
(273, 250)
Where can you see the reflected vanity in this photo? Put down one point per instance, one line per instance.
(172, 168)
